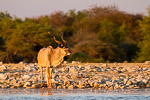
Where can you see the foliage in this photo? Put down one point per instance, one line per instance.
(83, 57)
(144, 45)
(99, 34)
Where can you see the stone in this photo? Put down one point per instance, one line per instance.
(102, 85)
(131, 86)
(22, 62)
(75, 62)
(116, 64)
(116, 86)
(104, 65)
(71, 87)
(65, 69)
(14, 81)
(99, 69)
(3, 76)
(125, 81)
(26, 76)
(120, 72)
(96, 84)
(64, 87)
(28, 87)
(109, 83)
(82, 68)
(59, 87)
(13, 87)
(136, 87)
(17, 85)
(72, 69)
(139, 77)
(27, 84)
(124, 69)
(81, 75)
(2, 68)
(74, 75)
(82, 84)
(66, 82)
(28, 68)
(56, 77)
(92, 66)
(65, 62)
(1, 62)
(81, 87)
(91, 83)
(79, 66)
(129, 82)
(3, 86)
(111, 88)
(78, 76)
(147, 62)
(145, 81)
(35, 86)
(34, 68)
(103, 81)
(148, 85)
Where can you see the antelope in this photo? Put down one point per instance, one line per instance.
(50, 57)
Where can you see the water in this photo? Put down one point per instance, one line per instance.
(76, 94)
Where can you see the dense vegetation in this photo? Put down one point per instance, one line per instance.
(99, 34)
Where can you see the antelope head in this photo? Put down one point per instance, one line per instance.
(62, 45)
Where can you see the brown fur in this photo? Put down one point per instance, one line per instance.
(48, 57)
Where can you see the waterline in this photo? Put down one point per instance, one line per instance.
(75, 94)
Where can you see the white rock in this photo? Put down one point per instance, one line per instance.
(21, 62)
(3, 76)
(65, 69)
(116, 64)
(2, 67)
(79, 66)
(104, 65)
(65, 62)
(26, 76)
(147, 62)
(145, 81)
(109, 83)
(1, 62)
(27, 84)
(75, 62)
(72, 69)
(28, 68)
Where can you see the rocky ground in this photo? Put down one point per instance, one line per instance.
(78, 75)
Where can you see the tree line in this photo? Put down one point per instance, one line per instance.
(98, 34)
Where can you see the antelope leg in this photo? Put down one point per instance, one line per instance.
(50, 76)
(47, 76)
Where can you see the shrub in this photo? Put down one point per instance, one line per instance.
(79, 56)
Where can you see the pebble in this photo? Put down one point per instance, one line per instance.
(71, 87)
(27, 84)
(147, 62)
(103, 76)
(1, 62)
(3, 76)
(2, 68)
(75, 62)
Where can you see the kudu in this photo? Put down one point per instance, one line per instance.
(49, 58)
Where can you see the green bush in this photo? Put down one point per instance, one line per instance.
(79, 56)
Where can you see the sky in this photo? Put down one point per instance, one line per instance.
(35, 8)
